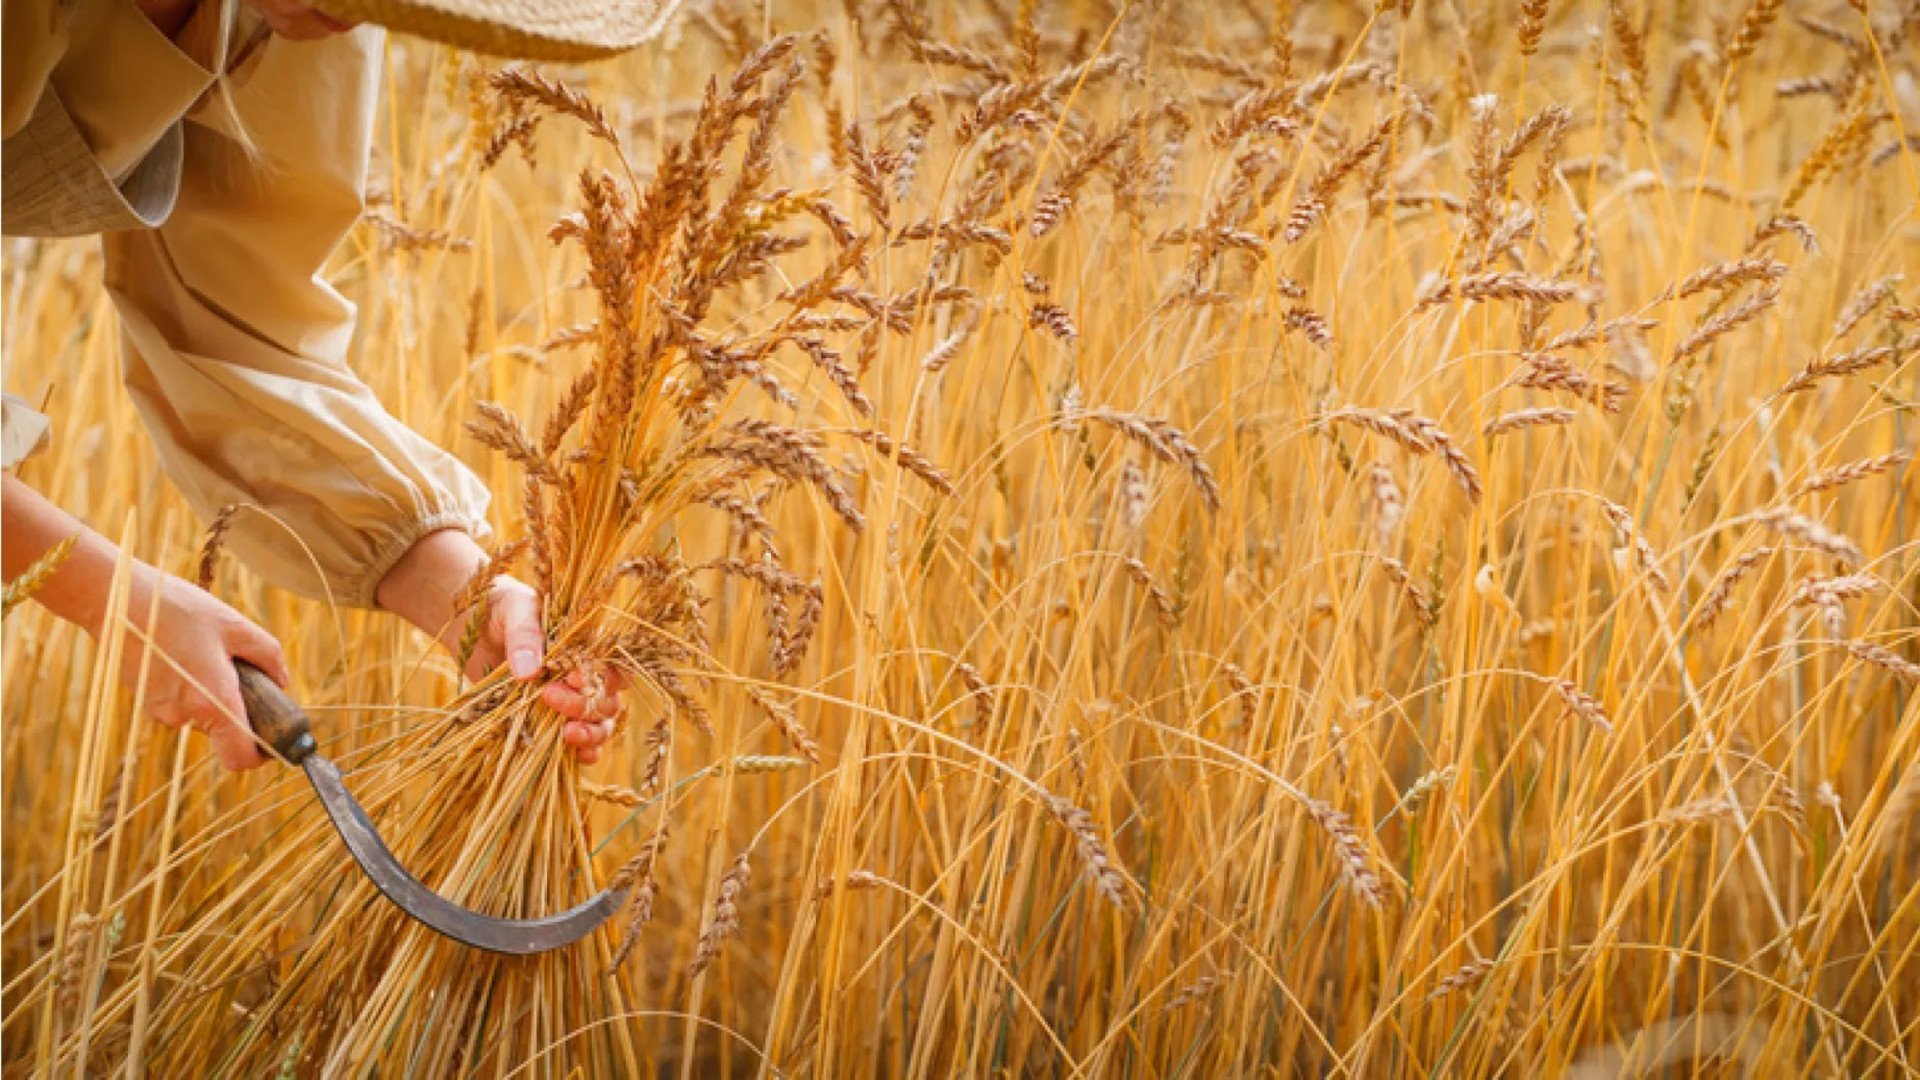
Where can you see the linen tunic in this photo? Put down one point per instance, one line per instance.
(215, 236)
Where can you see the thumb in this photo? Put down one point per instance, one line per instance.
(518, 610)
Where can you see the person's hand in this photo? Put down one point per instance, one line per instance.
(589, 698)
(191, 681)
(191, 638)
(295, 21)
(421, 588)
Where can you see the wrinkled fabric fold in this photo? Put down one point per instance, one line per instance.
(235, 347)
(23, 431)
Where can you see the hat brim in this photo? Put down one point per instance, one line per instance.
(555, 30)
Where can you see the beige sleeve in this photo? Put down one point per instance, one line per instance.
(23, 431)
(236, 349)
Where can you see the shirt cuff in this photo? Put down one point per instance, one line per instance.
(153, 82)
(359, 589)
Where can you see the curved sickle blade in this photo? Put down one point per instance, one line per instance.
(514, 937)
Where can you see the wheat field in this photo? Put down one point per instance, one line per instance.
(1151, 540)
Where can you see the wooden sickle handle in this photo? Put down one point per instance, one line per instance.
(275, 718)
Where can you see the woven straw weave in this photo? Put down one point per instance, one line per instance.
(557, 30)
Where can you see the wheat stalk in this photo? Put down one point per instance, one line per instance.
(36, 576)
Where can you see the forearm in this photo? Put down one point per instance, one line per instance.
(422, 586)
(180, 657)
(33, 526)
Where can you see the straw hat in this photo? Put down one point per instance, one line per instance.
(562, 30)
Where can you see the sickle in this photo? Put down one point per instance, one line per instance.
(283, 726)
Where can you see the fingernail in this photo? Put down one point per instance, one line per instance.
(524, 663)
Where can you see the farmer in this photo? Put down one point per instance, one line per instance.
(220, 149)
